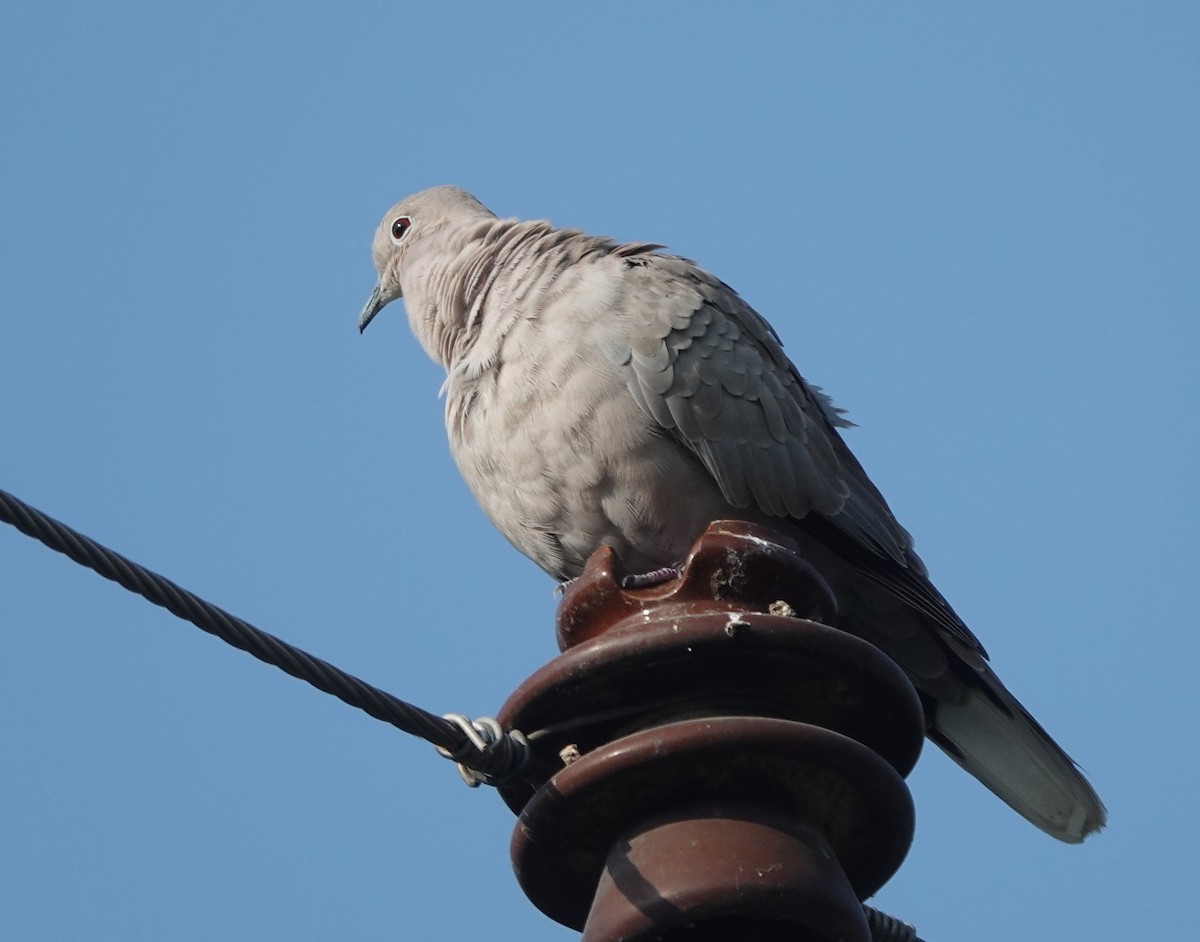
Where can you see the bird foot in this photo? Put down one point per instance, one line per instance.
(643, 580)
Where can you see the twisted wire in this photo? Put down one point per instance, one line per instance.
(886, 928)
(494, 764)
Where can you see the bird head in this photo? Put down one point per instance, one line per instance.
(412, 235)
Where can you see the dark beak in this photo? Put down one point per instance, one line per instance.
(375, 304)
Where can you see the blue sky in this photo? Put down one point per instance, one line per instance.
(977, 227)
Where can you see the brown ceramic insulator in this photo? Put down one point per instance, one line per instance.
(700, 645)
(705, 761)
(734, 565)
(650, 672)
(640, 793)
(736, 873)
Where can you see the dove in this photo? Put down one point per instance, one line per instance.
(600, 393)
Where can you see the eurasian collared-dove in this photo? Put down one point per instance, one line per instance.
(599, 393)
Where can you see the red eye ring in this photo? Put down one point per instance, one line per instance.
(400, 226)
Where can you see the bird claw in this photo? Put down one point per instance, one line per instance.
(643, 580)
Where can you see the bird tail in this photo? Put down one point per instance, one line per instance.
(994, 738)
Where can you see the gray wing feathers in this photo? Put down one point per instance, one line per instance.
(705, 365)
(692, 370)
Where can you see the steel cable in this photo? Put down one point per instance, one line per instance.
(499, 760)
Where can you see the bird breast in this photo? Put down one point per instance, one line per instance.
(558, 453)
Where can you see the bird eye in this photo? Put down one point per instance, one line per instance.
(400, 226)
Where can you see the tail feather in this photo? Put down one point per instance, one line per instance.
(994, 738)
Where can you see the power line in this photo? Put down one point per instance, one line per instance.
(485, 750)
